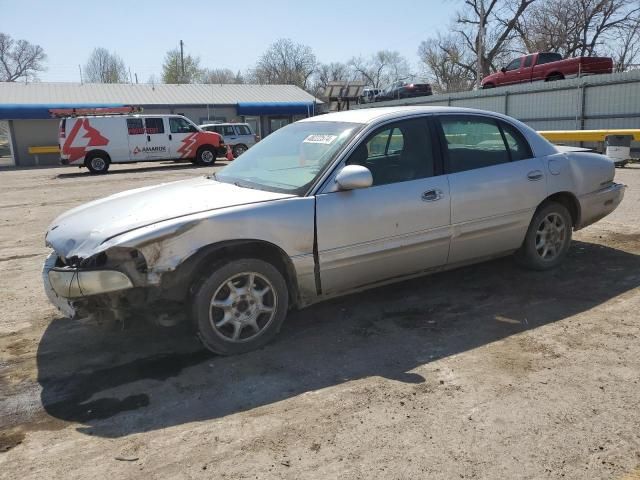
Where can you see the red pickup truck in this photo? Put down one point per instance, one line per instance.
(548, 67)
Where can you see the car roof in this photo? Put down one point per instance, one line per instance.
(222, 124)
(374, 114)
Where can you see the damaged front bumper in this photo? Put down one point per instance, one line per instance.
(63, 284)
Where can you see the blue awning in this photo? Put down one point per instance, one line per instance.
(9, 111)
(276, 108)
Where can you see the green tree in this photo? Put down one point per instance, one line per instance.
(174, 72)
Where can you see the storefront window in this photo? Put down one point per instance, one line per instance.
(5, 148)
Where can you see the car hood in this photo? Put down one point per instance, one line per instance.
(491, 77)
(80, 231)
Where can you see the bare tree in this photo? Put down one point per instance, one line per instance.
(447, 65)
(382, 68)
(487, 28)
(329, 72)
(105, 67)
(221, 76)
(174, 71)
(580, 27)
(19, 59)
(285, 62)
(626, 49)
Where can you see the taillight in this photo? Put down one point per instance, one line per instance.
(256, 138)
(63, 126)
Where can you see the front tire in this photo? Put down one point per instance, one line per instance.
(206, 156)
(239, 150)
(240, 307)
(548, 238)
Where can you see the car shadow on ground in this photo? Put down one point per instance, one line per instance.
(181, 165)
(118, 383)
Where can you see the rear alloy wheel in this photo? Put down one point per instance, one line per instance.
(206, 156)
(240, 307)
(97, 163)
(548, 238)
(239, 150)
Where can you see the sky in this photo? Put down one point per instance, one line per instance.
(230, 34)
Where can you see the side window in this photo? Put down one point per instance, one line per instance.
(135, 126)
(513, 65)
(472, 142)
(527, 60)
(228, 130)
(243, 130)
(398, 153)
(518, 146)
(154, 126)
(180, 125)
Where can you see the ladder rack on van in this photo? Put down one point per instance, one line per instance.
(92, 111)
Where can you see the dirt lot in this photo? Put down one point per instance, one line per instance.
(483, 372)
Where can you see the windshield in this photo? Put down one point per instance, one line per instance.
(290, 159)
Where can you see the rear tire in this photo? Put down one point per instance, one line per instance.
(206, 156)
(488, 85)
(239, 150)
(548, 238)
(97, 163)
(240, 307)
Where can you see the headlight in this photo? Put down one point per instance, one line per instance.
(74, 283)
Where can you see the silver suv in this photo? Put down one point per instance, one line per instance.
(237, 135)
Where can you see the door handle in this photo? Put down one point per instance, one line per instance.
(432, 195)
(534, 175)
(148, 138)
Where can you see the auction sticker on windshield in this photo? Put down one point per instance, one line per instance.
(324, 139)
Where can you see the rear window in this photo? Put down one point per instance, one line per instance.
(548, 58)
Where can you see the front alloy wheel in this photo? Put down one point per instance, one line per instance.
(240, 306)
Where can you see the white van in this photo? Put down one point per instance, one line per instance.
(98, 141)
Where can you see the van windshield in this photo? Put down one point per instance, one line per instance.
(290, 159)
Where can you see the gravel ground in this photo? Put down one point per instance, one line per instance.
(488, 371)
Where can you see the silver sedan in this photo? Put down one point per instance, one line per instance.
(323, 207)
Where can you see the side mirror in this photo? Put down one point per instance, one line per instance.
(503, 69)
(352, 177)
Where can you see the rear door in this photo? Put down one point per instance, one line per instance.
(157, 138)
(496, 185)
(396, 227)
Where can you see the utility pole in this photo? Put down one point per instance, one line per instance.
(136, 78)
(182, 60)
(480, 45)
(80, 68)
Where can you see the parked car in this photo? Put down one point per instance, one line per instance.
(401, 89)
(328, 205)
(368, 95)
(96, 142)
(237, 135)
(547, 66)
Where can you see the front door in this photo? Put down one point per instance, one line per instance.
(157, 139)
(180, 142)
(496, 185)
(399, 225)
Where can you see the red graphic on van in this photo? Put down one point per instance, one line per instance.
(95, 139)
(189, 145)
